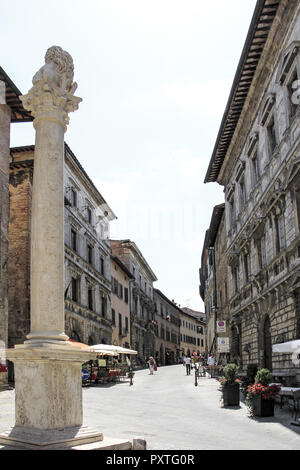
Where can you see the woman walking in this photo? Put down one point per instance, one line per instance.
(151, 364)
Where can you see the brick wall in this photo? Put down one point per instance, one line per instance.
(20, 187)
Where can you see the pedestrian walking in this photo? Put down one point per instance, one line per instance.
(188, 365)
(211, 361)
(151, 363)
(201, 368)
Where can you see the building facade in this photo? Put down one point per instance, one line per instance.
(142, 306)
(256, 159)
(11, 111)
(120, 303)
(192, 333)
(87, 252)
(200, 329)
(167, 330)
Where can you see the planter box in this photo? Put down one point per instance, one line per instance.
(231, 394)
(262, 407)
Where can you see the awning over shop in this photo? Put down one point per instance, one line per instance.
(110, 348)
(288, 347)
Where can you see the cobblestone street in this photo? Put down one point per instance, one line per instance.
(171, 413)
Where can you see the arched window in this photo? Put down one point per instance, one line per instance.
(289, 75)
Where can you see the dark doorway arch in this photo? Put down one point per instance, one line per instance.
(75, 336)
(236, 344)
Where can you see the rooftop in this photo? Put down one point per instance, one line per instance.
(12, 96)
(260, 26)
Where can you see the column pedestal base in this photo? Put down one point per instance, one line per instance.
(29, 438)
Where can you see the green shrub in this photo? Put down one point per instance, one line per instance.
(230, 373)
(263, 377)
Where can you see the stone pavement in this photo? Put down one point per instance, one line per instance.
(171, 413)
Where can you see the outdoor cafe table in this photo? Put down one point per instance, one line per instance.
(294, 393)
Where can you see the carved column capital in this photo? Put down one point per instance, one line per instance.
(52, 94)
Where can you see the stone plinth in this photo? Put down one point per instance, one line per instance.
(48, 398)
(48, 386)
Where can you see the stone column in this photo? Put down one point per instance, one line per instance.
(5, 116)
(49, 100)
(48, 384)
(48, 390)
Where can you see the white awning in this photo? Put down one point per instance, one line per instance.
(288, 347)
(110, 348)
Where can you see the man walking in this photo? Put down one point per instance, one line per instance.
(211, 361)
(188, 365)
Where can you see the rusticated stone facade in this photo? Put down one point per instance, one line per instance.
(260, 172)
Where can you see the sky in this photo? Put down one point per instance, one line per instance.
(154, 77)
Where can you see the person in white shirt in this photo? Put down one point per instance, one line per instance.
(188, 365)
(211, 361)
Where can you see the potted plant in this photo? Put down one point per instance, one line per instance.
(249, 378)
(230, 384)
(260, 395)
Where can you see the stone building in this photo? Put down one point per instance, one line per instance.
(142, 306)
(167, 329)
(11, 111)
(200, 329)
(121, 278)
(256, 159)
(87, 252)
(192, 332)
(213, 278)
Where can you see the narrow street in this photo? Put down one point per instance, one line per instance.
(171, 413)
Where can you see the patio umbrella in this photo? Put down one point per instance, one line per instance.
(288, 347)
(110, 348)
(86, 347)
